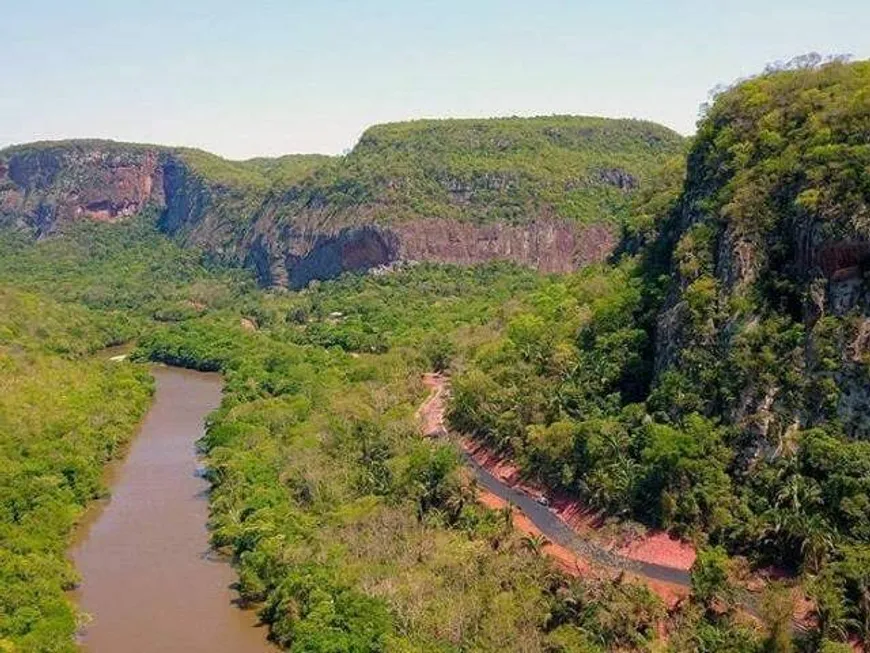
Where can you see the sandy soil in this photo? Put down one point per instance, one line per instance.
(661, 548)
(431, 412)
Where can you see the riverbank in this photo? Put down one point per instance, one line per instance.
(150, 579)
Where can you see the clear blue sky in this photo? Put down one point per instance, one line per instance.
(263, 78)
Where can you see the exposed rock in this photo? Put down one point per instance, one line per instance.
(779, 247)
(298, 257)
(843, 260)
(547, 244)
(54, 186)
(352, 250)
(290, 237)
(618, 177)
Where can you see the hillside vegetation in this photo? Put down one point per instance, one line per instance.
(63, 415)
(712, 381)
(545, 192)
(513, 170)
(349, 531)
(719, 386)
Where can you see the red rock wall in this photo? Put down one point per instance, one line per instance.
(43, 189)
(548, 245)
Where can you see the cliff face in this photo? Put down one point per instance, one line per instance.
(294, 258)
(47, 187)
(769, 249)
(547, 193)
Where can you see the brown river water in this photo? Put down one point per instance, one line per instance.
(149, 579)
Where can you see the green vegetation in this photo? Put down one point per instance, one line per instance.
(130, 269)
(711, 381)
(349, 531)
(714, 382)
(62, 416)
(253, 174)
(513, 170)
(508, 169)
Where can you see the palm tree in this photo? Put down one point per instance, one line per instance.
(796, 524)
(831, 616)
(535, 543)
(819, 541)
(863, 611)
(460, 495)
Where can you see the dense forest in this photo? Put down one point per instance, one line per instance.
(63, 414)
(710, 380)
(349, 530)
(718, 388)
(512, 169)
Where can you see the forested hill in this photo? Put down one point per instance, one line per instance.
(719, 387)
(768, 247)
(711, 381)
(545, 192)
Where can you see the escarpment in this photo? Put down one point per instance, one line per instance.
(768, 249)
(296, 257)
(548, 193)
(44, 187)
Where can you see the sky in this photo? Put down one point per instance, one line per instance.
(258, 78)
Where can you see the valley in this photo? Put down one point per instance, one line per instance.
(666, 337)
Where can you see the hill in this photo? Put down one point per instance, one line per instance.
(718, 386)
(545, 192)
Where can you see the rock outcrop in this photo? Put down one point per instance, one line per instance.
(769, 253)
(47, 187)
(460, 192)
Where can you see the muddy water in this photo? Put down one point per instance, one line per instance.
(149, 581)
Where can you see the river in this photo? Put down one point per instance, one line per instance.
(150, 581)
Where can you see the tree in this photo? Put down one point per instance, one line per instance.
(710, 584)
(831, 613)
(777, 612)
(854, 569)
(535, 543)
(439, 351)
(687, 464)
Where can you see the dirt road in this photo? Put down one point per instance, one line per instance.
(570, 549)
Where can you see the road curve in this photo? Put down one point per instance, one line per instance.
(431, 416)
(560, 533)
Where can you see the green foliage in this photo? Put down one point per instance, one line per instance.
(506, 169)
(713, 382)
(557, 399)
(253, 174)
(686, 472)
(62, 416)
(127, 267)
(710, 578)
(313, 615)
(777, 610)
(695, 385)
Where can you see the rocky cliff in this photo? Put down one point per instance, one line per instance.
(44, 187)
(768, 247)
(546, 192)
